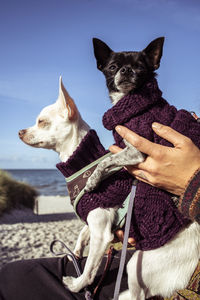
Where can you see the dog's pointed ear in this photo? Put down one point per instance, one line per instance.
(65, 101)
(154, 52)
(101, 52)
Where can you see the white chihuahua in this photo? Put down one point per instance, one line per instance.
(156, 272)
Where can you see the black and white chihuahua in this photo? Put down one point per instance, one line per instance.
(124, 72)
(153, 272)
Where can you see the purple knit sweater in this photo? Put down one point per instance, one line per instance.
(155, 217)
(111, 192)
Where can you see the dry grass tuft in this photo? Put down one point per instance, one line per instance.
(15, 194)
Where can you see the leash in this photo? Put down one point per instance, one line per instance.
(125, 243)
(70, 254)
(88, 294)
(110, 254)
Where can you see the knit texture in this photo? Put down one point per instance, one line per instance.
(111, 192)
(89, 150)
(155, 217)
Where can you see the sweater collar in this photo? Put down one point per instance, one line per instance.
(89, 150)
(132, 105)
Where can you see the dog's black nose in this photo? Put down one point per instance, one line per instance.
(21, 133)
(126, 70)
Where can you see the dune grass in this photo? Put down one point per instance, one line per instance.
(15, 194)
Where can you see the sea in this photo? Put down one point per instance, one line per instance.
(47, 182)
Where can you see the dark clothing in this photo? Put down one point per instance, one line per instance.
(155, 217)
(41, 279)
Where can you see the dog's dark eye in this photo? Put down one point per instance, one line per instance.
(112, 67)
(43, 123)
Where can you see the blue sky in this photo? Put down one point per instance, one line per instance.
(42, 39)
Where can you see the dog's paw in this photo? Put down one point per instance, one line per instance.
(72, 283)
(90, 185)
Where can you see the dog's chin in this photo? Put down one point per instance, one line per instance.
(40, 144)
(125, 87)
(121, 90)
(35, 145)
(43, 145)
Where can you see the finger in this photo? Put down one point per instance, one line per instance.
(169, 134)
(120, 235)
(139, 142)
(114, 149)
(132, 242)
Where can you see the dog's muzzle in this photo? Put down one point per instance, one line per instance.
(127, 70)
(21, 133)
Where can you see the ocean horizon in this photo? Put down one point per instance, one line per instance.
(47, 182)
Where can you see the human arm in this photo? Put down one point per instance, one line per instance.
(169, 168)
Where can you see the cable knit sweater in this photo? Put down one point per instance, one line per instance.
(111, 192)
(155, 218)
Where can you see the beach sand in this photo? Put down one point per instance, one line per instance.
(26, 235)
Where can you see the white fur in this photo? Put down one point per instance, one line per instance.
(116, 96)
(160, 271)
(122, 91)
(60, 134)
(165, 269)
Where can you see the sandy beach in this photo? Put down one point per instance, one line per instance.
(26, 235)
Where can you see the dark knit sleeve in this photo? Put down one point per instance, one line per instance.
(189, 202)
(88, 151)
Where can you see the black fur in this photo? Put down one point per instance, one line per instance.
(131, 68)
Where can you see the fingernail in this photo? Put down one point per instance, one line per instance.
(156, 125)
(118, 129)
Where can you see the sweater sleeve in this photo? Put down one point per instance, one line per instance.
(189, 202)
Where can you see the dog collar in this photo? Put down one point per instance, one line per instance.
(76, 184)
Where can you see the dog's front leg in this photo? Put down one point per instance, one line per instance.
(83, 240)
(129, 155)
(100, 223)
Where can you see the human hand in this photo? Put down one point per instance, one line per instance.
(165, 167)
(119, 236)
